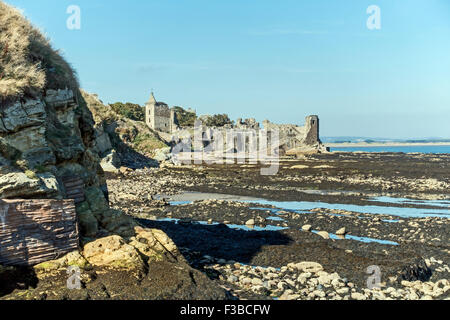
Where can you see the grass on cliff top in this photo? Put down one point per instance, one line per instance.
(28, 63)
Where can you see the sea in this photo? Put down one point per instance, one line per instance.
(404, 149)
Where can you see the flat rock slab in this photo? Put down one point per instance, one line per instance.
(33, 231)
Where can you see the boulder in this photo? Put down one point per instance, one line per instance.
(162, 154)
(88, 223)
(324, 234)
(73, 258)
(308, 266)
(250, 222)
(111, 162)
(102, 141)
(113, 252)
(154, 244)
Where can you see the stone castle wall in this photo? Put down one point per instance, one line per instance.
(291, 137)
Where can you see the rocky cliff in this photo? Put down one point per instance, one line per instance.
(47, 132)
(121, 141)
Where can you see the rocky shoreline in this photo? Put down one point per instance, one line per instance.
(410, 249)
(236, 247)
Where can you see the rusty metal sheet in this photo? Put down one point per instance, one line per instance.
(34, 230)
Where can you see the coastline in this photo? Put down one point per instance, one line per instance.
(385, 144)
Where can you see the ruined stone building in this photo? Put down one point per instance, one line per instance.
(293, 136)
(159, 116)
(290, 136)
(292, 139)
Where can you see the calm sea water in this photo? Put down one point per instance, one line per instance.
(406, 149)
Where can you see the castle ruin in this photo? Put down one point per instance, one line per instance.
(293, 136)
(162, 119)
(159, 117)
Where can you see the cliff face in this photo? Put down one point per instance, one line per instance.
(42, 140)
(46, 130)
(45, 140)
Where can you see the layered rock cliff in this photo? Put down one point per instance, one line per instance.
(47, 132)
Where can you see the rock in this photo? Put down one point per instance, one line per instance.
(300, 166)
(281, 285)
(341, 231)
(96, 201)
(310, 267)
(71, 259)
(342, 291)
(290, 282)
(358, 296)
(162, 154)
(324, 234)
(18, 184)
(116, 222)
(307, 227)
(257, 282)
(324, 279)
(289, 296)
(125, 170)
(250, 222)
(319, 293)
(154, 244)
(111, 162)
(416, 270)
(88, 223)
(113, 252)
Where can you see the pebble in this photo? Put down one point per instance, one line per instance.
(324, 234)
(250, 222)
(308, 280)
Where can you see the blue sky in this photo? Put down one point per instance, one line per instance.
(279, 60)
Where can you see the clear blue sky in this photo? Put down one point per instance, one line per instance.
(279, 60)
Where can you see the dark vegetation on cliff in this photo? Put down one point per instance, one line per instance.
(217, 120)
(184, 117)
(129, 110)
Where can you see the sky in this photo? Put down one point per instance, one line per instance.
(277, 60)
